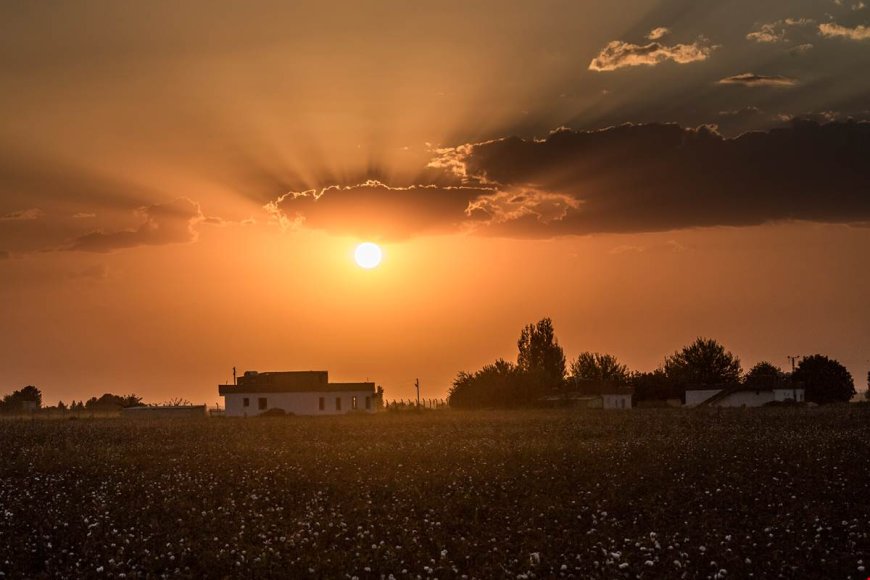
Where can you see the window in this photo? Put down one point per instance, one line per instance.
(322, 403)
(368, 403)
(262, 403)
(246, 402)
(353, 403)
(338, 403)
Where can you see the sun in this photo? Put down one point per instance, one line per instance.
(368, 255)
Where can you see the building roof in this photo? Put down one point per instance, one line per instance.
(290, 382)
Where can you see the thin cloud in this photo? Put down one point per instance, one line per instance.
(801, 48)
(619, 54)
(834, 30)
(754, 80)
(767, 33)
(777, 31)
(22, 215)
(658, 33)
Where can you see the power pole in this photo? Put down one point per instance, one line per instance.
(794, 359)
(417, 384)
(234, 375)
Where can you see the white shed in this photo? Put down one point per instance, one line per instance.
(742, 396)
(298, 393)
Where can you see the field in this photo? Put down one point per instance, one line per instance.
(767, 493)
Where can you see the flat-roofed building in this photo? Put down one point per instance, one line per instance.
(297, 393)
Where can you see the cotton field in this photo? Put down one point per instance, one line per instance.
(765, 493)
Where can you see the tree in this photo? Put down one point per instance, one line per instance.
(540, 353)
(489, 387)
(23, 400)
(501, 384)
(824, 380)
(654, 386)
(110, 401)
(601, 368)
(176, 402)
(703, 364)
(765, 375)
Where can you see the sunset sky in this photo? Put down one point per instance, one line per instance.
(182, 186)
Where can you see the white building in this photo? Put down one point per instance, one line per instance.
(296, 392)
(742, 396)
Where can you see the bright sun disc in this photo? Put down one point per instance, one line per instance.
(367, 255)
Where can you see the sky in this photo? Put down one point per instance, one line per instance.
(182, 186)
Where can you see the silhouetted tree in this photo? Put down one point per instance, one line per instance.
(61, 406)
(654, 386)
(27, 399)
(110, 401)
(177, 402)
(825, 380)
(498, 385)
(601, 368)
(704, 363)
(540, 354)
(765, 375)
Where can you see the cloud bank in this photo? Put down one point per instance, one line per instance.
(631, 178)
(173, 222)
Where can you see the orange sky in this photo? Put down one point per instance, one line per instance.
(150, 237)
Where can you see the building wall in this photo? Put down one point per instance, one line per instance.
(616, 401)
(789, 395)
(695, 397)
(302, 403)
(746, 399)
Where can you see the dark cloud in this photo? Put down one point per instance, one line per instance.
(754, 80)
(376, 210)
(631, 178)
(167, 223)
(661, 177)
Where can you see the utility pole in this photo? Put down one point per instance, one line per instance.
(417, 384)
(794, 359)
(234, 375)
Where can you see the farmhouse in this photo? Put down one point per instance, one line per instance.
(742, 396)
(296, 392)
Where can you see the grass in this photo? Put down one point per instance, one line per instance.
(641, 494)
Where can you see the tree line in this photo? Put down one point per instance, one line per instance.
(541, 371)
(29, 400)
